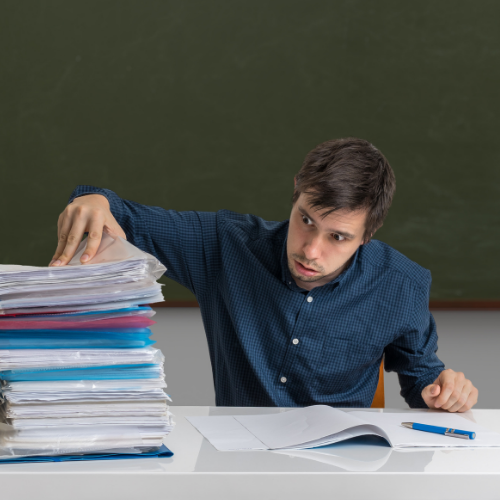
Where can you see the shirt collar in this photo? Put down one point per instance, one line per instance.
(287, 277)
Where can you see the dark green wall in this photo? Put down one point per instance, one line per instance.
(209, 105)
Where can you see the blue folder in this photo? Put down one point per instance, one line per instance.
(111, 372)
(75, 339)
(159, 453)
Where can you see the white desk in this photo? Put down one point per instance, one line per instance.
(197, 470)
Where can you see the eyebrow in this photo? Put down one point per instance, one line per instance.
(341, 233)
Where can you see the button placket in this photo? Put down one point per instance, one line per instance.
(298, 329)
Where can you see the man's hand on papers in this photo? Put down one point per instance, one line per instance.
(451, 391)
(86, 214)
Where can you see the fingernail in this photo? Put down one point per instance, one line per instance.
(85, 257)
(57, 263)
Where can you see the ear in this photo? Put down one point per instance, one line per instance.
(294, 181)
(365, 241)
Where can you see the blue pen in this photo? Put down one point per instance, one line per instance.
(456, 433)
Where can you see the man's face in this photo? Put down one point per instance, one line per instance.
(319, 249)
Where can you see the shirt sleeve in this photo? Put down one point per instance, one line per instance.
(413, 354)
(186, 243)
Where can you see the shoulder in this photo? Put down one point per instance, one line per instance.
(250, 227)
(381, 258)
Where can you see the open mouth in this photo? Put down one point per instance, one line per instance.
(306, 271)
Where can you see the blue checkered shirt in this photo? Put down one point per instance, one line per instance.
(273, 343)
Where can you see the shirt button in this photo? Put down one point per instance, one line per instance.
(309, 299)
(283, 379)
(295, 341)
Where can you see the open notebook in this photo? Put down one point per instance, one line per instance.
(321, 425)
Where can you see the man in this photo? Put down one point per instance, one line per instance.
(298, 312)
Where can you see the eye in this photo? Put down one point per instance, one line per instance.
(306, 220)
(338, 237)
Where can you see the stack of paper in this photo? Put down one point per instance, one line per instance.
(78, 373)
(119, 274)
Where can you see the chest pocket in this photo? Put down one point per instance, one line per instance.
(344, 361)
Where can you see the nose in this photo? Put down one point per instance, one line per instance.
(312, 248)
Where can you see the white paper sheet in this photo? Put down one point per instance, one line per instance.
(16, 359)
(26, 423)
(35, 398)
(402, 437)
(226, 433)
(83, 385)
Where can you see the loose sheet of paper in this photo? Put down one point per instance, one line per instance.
(402, 437)
(226, 433)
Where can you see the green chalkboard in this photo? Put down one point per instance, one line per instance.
(210, 105)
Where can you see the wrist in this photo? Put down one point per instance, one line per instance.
(99, 199)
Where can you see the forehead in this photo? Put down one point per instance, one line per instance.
(352, 221)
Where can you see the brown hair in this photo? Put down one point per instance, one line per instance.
(349, 174)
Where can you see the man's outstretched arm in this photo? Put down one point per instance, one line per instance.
(185, 242)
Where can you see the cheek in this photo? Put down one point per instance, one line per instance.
(295, 236)
(339, 254)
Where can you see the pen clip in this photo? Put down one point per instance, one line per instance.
(453, 434)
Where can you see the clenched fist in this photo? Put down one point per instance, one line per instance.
(451, 391)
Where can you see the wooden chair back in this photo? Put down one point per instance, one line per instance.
(379, 398)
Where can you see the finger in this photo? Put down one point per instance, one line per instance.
(463, 398)
(454, 396)
(64, 226)
(93, 240)
(446, 390)
(73, 239)
(430, 393)
(458, 384)
(471, 401)
(60, 222)
(447, 382)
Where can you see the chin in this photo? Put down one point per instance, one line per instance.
(310, 279)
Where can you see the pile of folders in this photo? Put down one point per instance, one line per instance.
(78, 372)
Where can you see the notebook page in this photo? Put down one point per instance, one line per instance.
(312, 426)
